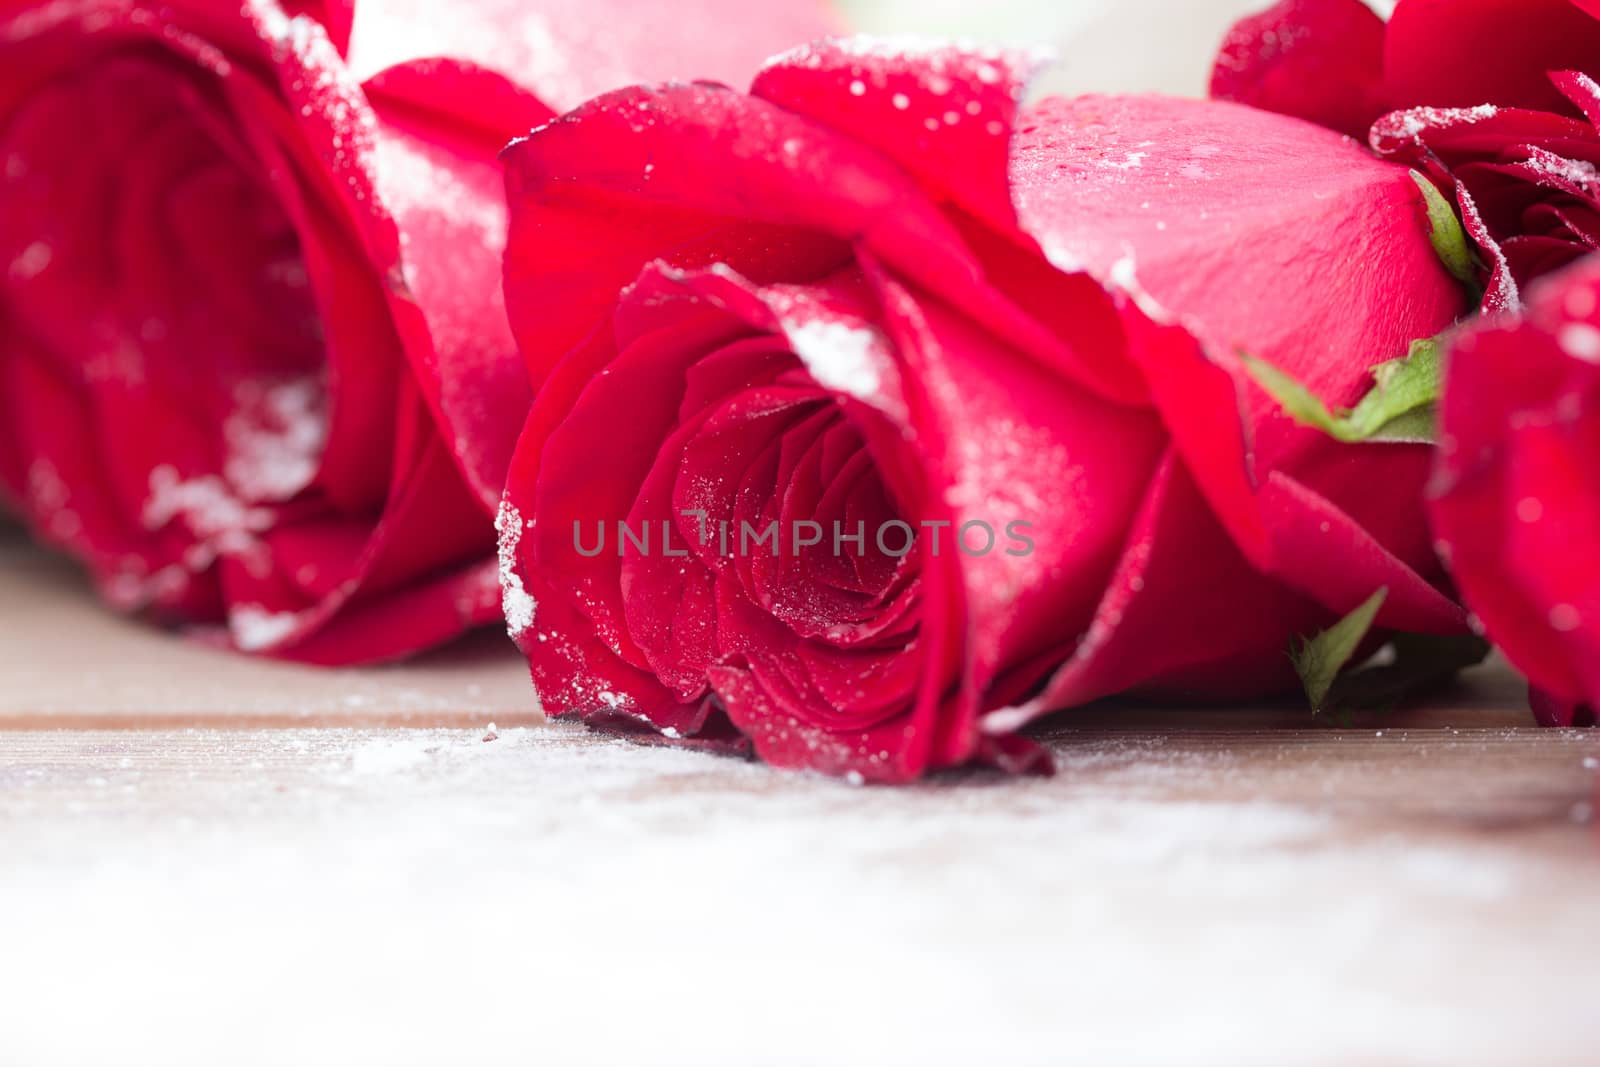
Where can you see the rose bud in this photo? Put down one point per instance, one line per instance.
(255, 368)
(832, 322)
(1516, 501)
(1337, 63)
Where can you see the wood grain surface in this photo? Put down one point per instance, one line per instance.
(205, 858)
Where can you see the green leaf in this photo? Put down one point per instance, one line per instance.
(1399, 408)
(1444, 230)
(1422, 662)
(1319, 659)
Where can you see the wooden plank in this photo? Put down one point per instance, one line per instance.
(1212, 885)
(66, 661)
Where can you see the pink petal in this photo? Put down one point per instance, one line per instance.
(1234, 227)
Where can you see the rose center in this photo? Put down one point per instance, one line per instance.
(798, 512)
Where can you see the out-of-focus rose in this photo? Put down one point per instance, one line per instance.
(1494, 99)
(993, 486)
(1516, 501)
(1320, 60)
(252, 344)
(1337, 63)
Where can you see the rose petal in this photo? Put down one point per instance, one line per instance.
(1320, 60)
(1514, 467)
(944, 112)
(1460, 53)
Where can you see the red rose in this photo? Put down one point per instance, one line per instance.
(1524, 181)
(830, 314)
(1336, 62)
(1499, 109)
(254, 357)
(1320, 60)
(1516, 502)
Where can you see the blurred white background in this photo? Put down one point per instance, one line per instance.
(1101, 45)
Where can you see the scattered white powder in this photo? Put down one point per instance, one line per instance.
(1504, 291)
(1133, 161)
(515, 602)
(370, 839)
(276, 436)
(383, 757)
(1060, 256)
(411, 173)
(208, 506)
(1411, 124)
(255, 629)
(838, 355)
(275, 22)
(1124, 275)
(1560, 169)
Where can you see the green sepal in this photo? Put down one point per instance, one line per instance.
(1444, 230)
(1421, 663)
(1400, 408)
(1318, 660)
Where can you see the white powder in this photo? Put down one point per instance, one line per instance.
(276, 436)
(1227, 870)
(219, 520)
(515, 602)
(838, 355)
(255, 629)
(1132, 161)
(1124, 276)
(1561, 169)
(1408, 125)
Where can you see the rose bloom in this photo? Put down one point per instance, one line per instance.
(838, 307)
(1498, 105)
(1337, 63)
(1517, 497)
(1524, 182)
(255, 368)
(1493, 99)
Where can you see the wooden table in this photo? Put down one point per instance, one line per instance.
(206, 859)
